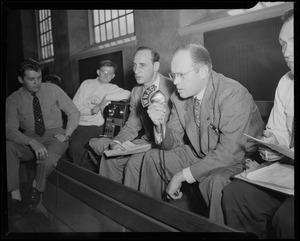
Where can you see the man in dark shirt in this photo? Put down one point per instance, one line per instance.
(24, 141)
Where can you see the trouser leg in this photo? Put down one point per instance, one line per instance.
(80, 139)
(55, 150)
(211, 189)
(133, 170)
(14, 154)
(283, 220)
(248, 208)
(113, 168)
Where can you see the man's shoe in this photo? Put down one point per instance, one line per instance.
(34, 198)
(16, 208)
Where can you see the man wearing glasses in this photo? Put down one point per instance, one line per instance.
(91, 98)
(204, 141)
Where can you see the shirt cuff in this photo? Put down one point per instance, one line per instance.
(188, 175)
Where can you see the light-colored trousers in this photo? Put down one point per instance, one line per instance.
(153, 180)
(16, 153)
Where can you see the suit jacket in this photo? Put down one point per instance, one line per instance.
(227, 111)
(139, 123)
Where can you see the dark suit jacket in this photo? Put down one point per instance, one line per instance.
(226, 107)
(139, 124)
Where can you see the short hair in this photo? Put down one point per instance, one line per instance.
(108, 63)
(154, 53)
(53, 78)
(199, 54)
(288, 15)
(28, 64)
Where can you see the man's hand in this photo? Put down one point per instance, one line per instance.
(39, 149)
(156, 112)
(103, 104)
(266, 153)
(173, 188)
(116, 146)
(61, 137)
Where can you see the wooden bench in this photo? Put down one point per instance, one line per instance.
(87, 202)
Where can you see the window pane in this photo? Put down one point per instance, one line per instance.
(109, 30)
(103, 32)
(121, 12)
(96, 17)
(102, 16)
(116, 28)
(123, 26)
(128, 11)
(114, 13)
(107, 15)
(52, 50)
(130, 24)
(97, 35)
(50, 24)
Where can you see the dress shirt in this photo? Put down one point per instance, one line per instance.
(281, 118)
(19, 112)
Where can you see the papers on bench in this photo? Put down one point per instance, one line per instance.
(281, 149)
(130, 149)
(276, 176)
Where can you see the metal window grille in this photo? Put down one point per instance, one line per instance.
(112, 24)
(45, 34)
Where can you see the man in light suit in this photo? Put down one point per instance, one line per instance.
(210, 153)
(139, 127)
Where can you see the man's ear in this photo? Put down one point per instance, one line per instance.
(98, 72)
(156, 66)
(204, 71)
(113, 76)
(20, 80)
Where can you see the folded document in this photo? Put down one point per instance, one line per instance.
(279, 177)
(130, 149)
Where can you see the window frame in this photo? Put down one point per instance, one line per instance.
(111, 42)
(38, 32)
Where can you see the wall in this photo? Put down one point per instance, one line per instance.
(154, 28)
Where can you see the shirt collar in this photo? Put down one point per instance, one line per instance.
(199, 96)
(156, 83)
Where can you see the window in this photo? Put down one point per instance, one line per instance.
(45, 34)
(112, 25)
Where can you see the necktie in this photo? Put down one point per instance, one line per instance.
(38, 116)
(196, 107)
(292, 136)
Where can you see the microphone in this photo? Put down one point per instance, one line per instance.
(159, 97)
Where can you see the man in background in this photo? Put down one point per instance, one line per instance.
(34, 131)
(250, 208)
(139, 127)
(91, 98)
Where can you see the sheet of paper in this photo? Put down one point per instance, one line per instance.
(282, 149)
(279, 177)
(278, 174)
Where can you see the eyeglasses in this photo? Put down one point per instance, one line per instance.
(180, 75)
(106, 72)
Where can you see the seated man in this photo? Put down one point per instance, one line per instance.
(250, 208)
(203, 142)
(91, 98)
(139, 127)
(36, 109)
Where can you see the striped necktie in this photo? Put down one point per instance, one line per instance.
(196, 108)
(38, 116)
